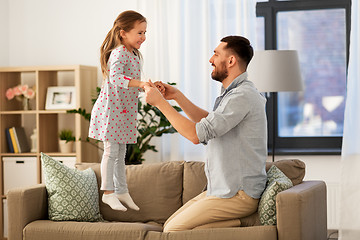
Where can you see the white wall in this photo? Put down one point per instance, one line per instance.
(49, 32)
(319, 167)
(4, 32)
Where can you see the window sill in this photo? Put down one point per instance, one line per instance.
(314, 151)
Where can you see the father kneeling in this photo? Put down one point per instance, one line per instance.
(235, 133)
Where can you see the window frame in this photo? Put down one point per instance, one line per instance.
(297, 145)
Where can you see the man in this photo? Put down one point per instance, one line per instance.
(235, 132)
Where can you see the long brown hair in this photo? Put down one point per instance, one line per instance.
(125, 21)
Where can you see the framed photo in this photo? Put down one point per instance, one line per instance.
(60, 98)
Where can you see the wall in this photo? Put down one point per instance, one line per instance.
(64, 32)
(4, 32)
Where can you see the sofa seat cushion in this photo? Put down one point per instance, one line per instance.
(156, 188)
(55, 230)
(253, 233)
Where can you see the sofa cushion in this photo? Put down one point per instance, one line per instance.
(194, 180)
(292, 168)
(72, 194)
(241, 233)
(45, 230)
(156, 188)
(277, 182)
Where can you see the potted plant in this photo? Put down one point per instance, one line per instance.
(66, 140)
(151, 123)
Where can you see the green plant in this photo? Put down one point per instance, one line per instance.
(67, 135)
(151, 123)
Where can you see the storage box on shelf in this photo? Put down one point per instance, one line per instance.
(47, 123)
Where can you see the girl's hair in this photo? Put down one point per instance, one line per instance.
(125, 21)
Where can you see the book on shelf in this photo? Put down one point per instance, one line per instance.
(9, 141)
(13, 141)
(21, 140)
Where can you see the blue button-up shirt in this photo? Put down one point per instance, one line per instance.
(235, 133)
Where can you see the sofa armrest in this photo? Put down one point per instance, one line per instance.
(25, 205)
(301, 212)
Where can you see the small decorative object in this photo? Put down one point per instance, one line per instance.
(60, 98)
(67, 140)
(21, 93)
(33, 139)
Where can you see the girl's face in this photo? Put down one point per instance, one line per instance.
(135, 37)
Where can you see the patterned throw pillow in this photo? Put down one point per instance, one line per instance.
(277, 182)
(72, 194)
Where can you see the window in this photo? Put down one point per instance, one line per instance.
(312, 120)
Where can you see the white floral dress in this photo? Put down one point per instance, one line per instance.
(113, 117)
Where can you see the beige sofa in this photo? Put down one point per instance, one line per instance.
(159, 190)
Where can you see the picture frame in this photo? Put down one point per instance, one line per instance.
(60, 98)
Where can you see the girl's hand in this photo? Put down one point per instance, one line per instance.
(142, 85)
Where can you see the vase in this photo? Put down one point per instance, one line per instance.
(26, 105)
(66, 147)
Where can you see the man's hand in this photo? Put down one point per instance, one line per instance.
(152, 94)
(170, 92)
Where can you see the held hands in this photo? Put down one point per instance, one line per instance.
(153, 96)
(153, 92)
(157, 84)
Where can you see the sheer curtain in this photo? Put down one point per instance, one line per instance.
(350, 161)
(181, 37)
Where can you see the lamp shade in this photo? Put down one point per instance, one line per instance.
(275, 71)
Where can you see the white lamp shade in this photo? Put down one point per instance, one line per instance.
(275, 71)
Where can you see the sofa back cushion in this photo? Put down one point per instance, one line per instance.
(194, 180)
(292, 168)
(156, 188)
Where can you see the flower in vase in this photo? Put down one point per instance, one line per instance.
(20, 92)
(30, 93)
(10, 94)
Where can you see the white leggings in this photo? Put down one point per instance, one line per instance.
(113, 175)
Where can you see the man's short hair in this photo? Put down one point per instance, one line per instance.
(240, 46)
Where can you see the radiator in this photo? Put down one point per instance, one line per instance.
(333, 205)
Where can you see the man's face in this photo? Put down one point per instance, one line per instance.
(218, 61)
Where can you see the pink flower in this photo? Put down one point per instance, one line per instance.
(10, 94)
(20, 92)
(17, 91)
(23, 88)
(30, 93)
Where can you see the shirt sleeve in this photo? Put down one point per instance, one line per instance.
(230, 112)
(117, 64)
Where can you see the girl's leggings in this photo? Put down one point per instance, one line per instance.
(113, 175)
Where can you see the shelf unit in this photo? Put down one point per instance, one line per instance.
(47, 122)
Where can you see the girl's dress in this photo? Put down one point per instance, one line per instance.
(113, 117)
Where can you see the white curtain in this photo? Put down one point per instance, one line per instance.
(350, 161)
(181, 37)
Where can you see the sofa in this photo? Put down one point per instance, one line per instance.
(159, 189)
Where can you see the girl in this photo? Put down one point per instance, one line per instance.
(113, 117)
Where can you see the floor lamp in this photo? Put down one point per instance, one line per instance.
(275, 71)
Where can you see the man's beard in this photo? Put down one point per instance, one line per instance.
(220, 74)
